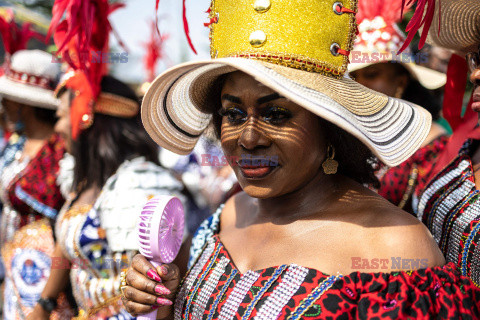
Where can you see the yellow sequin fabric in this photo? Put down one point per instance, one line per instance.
(294, 33)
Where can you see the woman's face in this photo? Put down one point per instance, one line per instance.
(274, 146)
(13, 112)
(63, 127)
(381, 77)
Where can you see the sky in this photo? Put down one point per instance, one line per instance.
(132, 25)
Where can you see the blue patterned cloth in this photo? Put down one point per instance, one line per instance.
(207, 230)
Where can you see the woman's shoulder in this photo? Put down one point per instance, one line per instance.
(393, 233)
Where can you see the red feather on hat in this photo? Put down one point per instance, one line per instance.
(185, 23)
(82, 39)
(154, 52)
(15, 38)
(83, 35)
(422, 17)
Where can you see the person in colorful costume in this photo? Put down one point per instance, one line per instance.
(115, 171)
(376, 64)
(449, 203)
(29, 192)
(305, 239)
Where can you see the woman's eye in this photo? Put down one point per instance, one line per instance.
(234, 115)
(276, 115)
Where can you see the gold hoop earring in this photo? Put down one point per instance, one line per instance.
(330, 165)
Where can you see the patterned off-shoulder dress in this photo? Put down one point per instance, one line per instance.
(215, 289)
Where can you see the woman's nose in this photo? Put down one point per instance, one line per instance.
(252, 135)
(475, 77)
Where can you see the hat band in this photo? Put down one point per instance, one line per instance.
(25, 78)
(116, 106)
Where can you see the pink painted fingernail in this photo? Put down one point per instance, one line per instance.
(164, 302)
(162, 290)
(153, 275)
(164, 270)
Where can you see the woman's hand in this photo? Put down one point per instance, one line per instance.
(38, 313)
(149, 289)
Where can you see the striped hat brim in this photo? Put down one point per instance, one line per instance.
(27, 94)
(174, 109)
(456, 25)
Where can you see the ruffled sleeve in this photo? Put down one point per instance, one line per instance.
(124, 196)
(432, 293)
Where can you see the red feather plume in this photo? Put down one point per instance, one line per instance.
(185, 23)
(82, 39)
(422, 17)
(154, 48)
(83, 35)
(16, 37)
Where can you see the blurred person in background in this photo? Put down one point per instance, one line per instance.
(376, 65)
(28, 190)
(206, 179)
(14, 38)
(115, 171)
(206, 184)
(449, 204)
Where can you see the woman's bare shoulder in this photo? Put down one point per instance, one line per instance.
(398, 234)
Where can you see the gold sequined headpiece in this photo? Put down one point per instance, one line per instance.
(309, 35)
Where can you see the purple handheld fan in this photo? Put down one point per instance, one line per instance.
(160, 233)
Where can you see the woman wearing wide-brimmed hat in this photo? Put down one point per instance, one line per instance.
(305, 239)
(29, 167)
(376, 64)
(449, 205)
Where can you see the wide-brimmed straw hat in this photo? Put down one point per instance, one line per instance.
(298, 48)
(379, 41)
(30, 79)
(456, 25)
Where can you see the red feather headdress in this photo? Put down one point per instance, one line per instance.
(82, 39)
(15, 37)
(154, 51)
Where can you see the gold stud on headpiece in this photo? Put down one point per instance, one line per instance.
(257, 38)
(262, 6)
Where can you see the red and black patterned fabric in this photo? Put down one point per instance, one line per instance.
(215, 289)
(34, 190)
(450, 208)
(399, 184)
